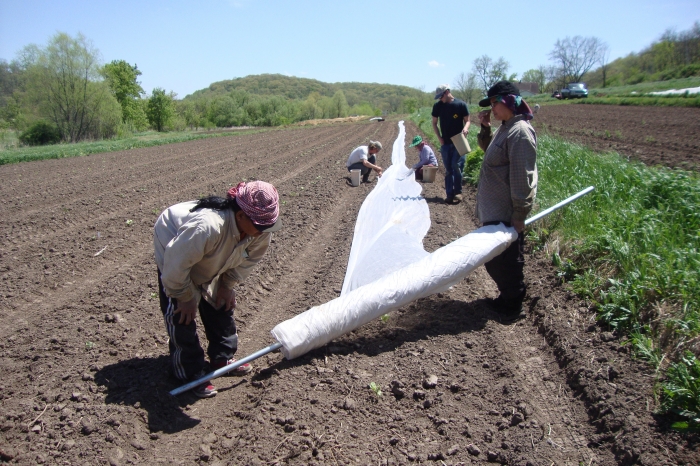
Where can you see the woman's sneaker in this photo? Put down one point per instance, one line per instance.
(206, 390)
(240, 370)
(509, 310)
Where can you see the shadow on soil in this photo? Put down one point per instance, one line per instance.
(145, 383)
(435, 200)
(424, 319)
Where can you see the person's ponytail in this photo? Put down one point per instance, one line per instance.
(216, 203)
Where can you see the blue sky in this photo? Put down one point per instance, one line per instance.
(183, 46)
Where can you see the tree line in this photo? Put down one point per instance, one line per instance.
(63, 93)
(274, 99)
(674, 55)
(587, 59)
(572, 57)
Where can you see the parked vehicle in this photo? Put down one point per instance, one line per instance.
(556, 94)
(574, 91)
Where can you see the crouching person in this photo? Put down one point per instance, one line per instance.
(364, 158)
(425, 154)
(203, 249)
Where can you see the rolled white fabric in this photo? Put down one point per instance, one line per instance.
(432, 274)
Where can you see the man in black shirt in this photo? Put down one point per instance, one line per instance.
(454, 119)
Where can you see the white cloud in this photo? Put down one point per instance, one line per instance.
(435, 64)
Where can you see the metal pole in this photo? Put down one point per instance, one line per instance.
(271, 348)
(546, 212)
(225, 369)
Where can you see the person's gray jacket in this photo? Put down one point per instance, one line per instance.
(194, 249)
(508, 178)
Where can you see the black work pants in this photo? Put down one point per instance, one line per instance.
(507, 269)
(186, 354)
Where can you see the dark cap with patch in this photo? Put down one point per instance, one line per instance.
(500, 88)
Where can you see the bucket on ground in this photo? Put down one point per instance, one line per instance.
(355, 177)
(429, 174)
(461, 143)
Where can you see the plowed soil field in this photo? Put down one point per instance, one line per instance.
(84, 375)
(665, 136)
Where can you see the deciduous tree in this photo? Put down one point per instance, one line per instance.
(489, 72)
(160, 109)
(123, 82)
(466, 87)
(64, 81)
(604, 62)
(575, 56)
(340, 105)
(11, 86)
(536, 75)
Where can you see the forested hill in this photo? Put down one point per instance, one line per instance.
(385, 96)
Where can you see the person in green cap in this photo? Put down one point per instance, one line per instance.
(426, 154)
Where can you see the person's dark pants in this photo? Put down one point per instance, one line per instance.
(453, 176)
(507, 268)
(186, 354)
(365, 170)
(419, 172)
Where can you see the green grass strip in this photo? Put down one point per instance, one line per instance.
(58, 151)
(631, 247)
(692, 100)
(638, 233)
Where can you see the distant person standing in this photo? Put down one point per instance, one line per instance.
(453, 115)
(364, 158)
(426, 156)
(507, 187)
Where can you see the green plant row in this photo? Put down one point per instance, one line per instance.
(632, 248)
(645, 87)
(683, 100)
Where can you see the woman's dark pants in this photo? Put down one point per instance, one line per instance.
(507, 268)
(186, 354)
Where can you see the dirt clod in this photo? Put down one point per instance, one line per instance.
(430, 382)
(349, 404)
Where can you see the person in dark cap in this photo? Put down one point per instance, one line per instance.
(453, 115)
(507, 187)
(203, 249)
(426, 156)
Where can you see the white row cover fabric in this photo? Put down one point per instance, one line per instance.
(433, 274)
(388, 267)
(391, 224)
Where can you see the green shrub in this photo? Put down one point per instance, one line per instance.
(682, 391)
(679, 72)
(637, 78)
(40, 133)
(472, 165)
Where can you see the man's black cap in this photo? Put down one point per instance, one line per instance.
(500, 88)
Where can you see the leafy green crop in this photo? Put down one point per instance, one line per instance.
(631, 248)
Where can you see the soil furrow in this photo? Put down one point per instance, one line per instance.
(84, 371)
